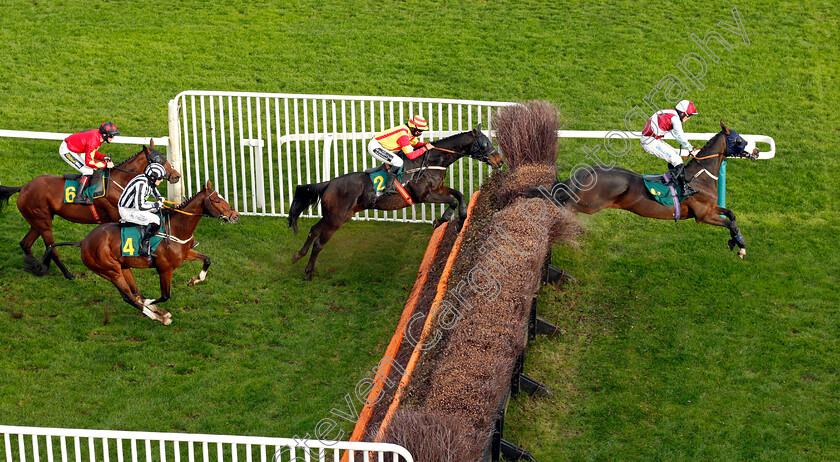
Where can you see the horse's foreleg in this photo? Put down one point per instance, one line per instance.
(730, 223)
(195, 256)
(314, 232)
(449, 196)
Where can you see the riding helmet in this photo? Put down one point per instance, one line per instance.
(155, 172)
(108, 129)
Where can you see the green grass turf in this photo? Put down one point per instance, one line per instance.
(673, 348)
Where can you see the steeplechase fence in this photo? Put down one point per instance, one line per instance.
(36, 444)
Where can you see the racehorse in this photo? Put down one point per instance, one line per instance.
(348, 194)
(596, 188)
(43, 198)
(102, 251)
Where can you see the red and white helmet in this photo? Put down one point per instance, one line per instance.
(687, 107)
(419, 123)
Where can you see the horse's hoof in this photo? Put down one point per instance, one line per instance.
(192, 281)
(437, 223)
(166, 321)
(295, 258)
(168, 315)
(742, 253)
(731, 244)
(307, 277)
(70, 277)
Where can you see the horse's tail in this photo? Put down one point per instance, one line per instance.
(5, 193)
(41, 266)
(306, 195)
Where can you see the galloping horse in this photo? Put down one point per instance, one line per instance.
(348, 194)
(623, 189)
(102, 251)
(43, 198)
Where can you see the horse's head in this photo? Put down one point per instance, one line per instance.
(153, 156)
(736, 145)
(482, 149)
(216, 206)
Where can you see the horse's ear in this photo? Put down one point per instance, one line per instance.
(477, 129)
(723, 126)
(145, 149)
(208, 185)
(152, 142)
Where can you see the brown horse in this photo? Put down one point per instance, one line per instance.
(102, 251)
(348, 194)
(597, 188)
(42, 199)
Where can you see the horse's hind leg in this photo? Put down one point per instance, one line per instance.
(132, 284)
(47, 236)
(314, 233)
(29, 260)
(325, 234)
(116, 278)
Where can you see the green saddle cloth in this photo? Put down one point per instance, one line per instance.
(661, 192)
(71, 187)
(130, 241)
(379, 180)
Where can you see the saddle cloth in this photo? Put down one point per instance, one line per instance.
(96, 187)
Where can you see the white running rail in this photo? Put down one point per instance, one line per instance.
(37, 444)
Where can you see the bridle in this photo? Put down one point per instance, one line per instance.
(475, 153)
(207, 196)
(727, 153)
(151, 158)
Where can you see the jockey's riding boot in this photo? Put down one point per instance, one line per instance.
(80, 196)
(685, 188)
(146, 238)
(389, 184)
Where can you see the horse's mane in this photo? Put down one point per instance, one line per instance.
(168, 211)
(153, 150)
(450, 138)
(710, 143)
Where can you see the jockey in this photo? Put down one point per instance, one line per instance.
(386, 145)
(80, 150)
(134, 208)
(662, 122)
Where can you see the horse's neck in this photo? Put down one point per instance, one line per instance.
(132, 167)
(447, 158)
(183, 225)
(711, 164)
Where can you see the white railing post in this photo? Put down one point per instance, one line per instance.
(175, 192)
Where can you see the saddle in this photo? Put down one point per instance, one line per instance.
(654, 178)
(97, 185)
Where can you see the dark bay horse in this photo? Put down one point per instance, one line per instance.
(42, 199)
(596, 188)
(102, 251)
(348, 194)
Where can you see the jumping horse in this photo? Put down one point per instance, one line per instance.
(42, 198)
(597, 188)
(348, 194)
(102, 251)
